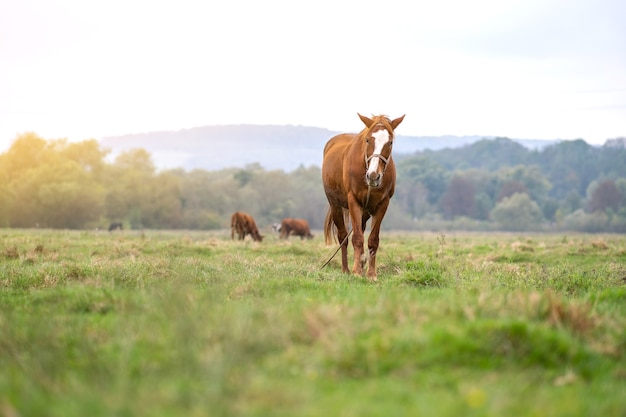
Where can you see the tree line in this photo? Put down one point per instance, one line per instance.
(492, 184)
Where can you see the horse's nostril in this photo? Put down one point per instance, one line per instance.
(373, 176)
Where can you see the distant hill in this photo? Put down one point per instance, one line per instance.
(273, 147)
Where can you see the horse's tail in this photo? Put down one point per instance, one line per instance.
(233, 225)
(330, 228)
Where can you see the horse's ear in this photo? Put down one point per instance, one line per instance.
(396, 122)
(368, 122)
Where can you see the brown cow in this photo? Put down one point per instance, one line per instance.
(296, 227)
(244, 224)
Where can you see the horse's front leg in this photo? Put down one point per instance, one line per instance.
(374, 238)
(357, 235)
(364, 218)
(342, 236)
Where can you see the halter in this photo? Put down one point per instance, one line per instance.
(387, 126)
(379, 156)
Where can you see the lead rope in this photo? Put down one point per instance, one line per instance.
(344, 241)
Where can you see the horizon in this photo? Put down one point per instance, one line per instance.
(5, 145)
(217, 146)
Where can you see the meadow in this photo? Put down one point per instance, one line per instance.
(181, 323)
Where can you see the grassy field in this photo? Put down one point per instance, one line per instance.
(193, 324)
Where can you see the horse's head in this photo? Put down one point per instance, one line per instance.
(378, 139)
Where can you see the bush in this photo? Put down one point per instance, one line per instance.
(518, 212)
(586, 222)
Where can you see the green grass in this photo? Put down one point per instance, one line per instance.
(194, 324)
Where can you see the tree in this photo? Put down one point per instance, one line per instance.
(524, 178)
(64, 184)
(620, 183)
(613, 158)
(165, 211)
(130, 182)
(485, 184)
(273, 196)
(48, 186)
(413, 199)
(569, 165)
(511, 187)
(494, 153)
(309, 198)
(549, 208)
(87, 154)
(604, 195)
(425, 171)
(68, 197)
(517, 213)
(26, 152)
(484, 206)
(6, 199)
(459, 199)
(19, 166)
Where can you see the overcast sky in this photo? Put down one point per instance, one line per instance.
(528, 69)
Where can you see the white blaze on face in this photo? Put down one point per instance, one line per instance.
(380, 139)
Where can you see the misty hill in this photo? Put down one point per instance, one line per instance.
(273, 147)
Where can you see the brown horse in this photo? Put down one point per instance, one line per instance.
(359, 179)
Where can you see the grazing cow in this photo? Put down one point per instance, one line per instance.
(116, 226)
(276, 227)
(244, 224)
(296, 227)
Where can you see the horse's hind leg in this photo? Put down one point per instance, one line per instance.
(342, 233)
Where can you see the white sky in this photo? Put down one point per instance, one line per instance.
(532, 69)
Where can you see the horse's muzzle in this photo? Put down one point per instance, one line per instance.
(374, 179)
